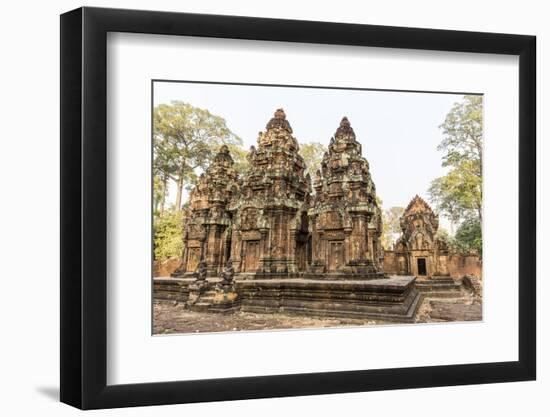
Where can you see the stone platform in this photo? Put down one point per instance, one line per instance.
(440, 286)
(171, 289)
(390, 299)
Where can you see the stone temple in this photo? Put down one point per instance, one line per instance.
(419, 251)
(207, 233)
(345, 217)
(270, 242)
(270, 226)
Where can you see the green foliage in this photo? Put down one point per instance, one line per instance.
(463, 134)
(239, 157)
(186, 138)
(458, 195)
(159, 194)
(168, 235)
(452, 244)
(468, 236)
(313, 155)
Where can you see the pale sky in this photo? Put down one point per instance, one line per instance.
(398, 130)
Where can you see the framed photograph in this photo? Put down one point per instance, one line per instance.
(257, 208)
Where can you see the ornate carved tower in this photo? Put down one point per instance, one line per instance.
(270, 224)
(419, 252)
(207, 231)
(345, 217)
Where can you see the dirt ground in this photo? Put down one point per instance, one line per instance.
(170, 318)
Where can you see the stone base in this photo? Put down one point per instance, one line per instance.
(178, 274)
(311, 275)
(171, 289)
(391, 299)
(208, 302)
(345, 276)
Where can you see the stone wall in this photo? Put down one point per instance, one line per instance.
(165, 268)
(389, 266)
(465, 265)
(457, 265)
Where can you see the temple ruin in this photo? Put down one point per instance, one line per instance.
(207, 233)
(270, 223)
(270, 242)
(419, 251)
(345, 217)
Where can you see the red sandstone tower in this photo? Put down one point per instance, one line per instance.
(345, 217)
(270, 223)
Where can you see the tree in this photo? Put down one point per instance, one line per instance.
(452, 195)
(391, 225)
(463, 131)
(313, 155)
(239, 157)
(458, 195)
(167, 235)
(163, 169)
(468, 236)
(159, 194)
(186, 138)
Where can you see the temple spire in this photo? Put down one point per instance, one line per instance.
(279, 121)
(345, 129)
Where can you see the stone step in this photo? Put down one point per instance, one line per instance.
(439, 286)
(444, 287)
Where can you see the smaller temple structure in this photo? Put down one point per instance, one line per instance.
(207, 233)
(345, 217)
(419, 251)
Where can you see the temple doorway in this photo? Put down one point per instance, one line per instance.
(193, 259)
(251, 256)
(336, 256)
(301, 254)
(421, 264)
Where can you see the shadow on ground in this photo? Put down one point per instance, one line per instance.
(50, 392)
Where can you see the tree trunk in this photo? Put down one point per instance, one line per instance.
(163, 199)
(179, 192)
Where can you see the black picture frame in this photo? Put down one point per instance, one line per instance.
(84, 207)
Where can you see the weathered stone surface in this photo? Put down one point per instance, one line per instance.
(474, 284)
(345, 217)
(207, 233)
(440, 286)
(393, 299)
(455, 311)
(171, 289)
(270, 223)
(419, 251)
